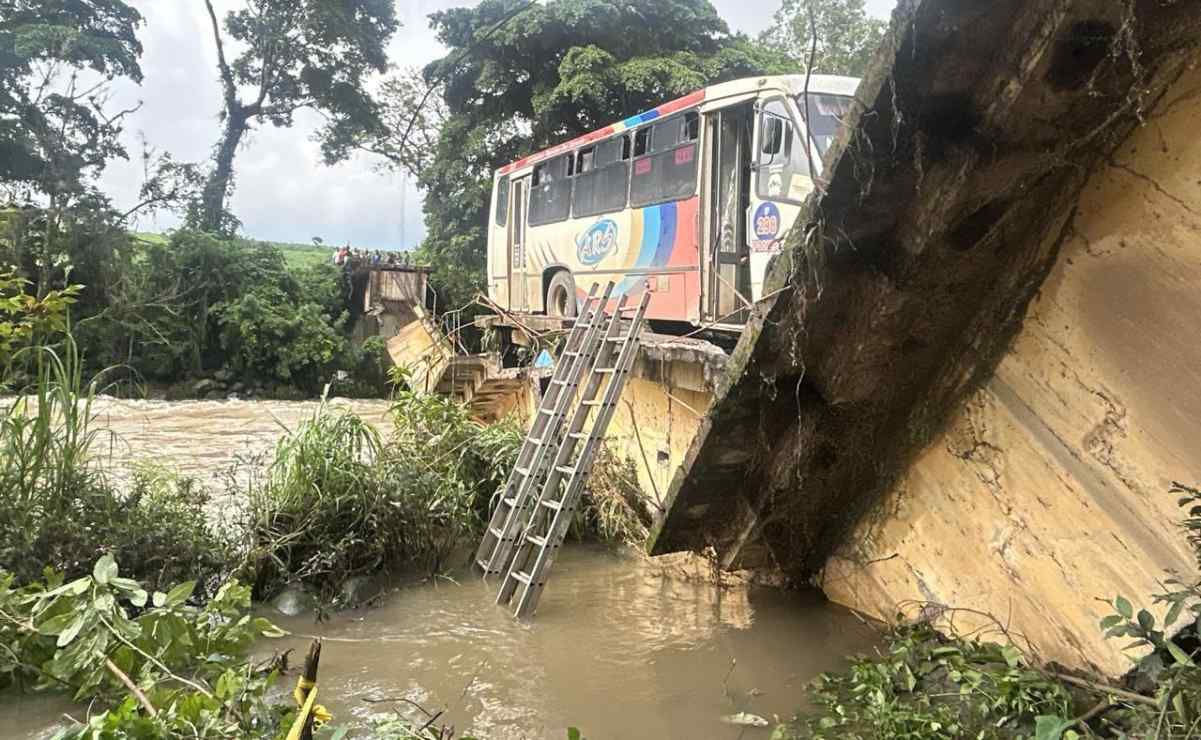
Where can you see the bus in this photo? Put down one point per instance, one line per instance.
(689, 201)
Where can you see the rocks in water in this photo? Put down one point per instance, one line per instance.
(293, 601)
(745, 719)
(204, 386)
(358, 590)
(223, 375)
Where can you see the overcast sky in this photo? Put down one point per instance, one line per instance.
(284, 192)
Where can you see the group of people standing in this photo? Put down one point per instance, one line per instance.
(350, 258)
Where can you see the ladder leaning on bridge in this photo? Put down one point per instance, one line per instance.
(538, 501)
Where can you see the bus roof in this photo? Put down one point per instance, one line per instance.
(825, 84)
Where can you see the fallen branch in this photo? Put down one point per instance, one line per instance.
(1103, 688)
(133, 688)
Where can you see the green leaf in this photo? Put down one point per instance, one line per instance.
(1178, 655)
(125, 584)
(55, 625)
(1110, 621)
(1012, 656)
(138, 598)
(105, 569)
(67, 636)
(1145, 620)
(159, 599)
(180, 593)
(1050, 727)
(1123, 607)
(1173, 613)
(573, 733)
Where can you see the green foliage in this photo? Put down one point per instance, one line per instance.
(847, 36)
(549, 73)
(338, 502)
(925, 686)
(611, 509)
(59, 508)
(54, 136)
(92, 635)
(22, 316)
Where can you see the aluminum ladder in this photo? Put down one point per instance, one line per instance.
(511, 507)
(560, 493)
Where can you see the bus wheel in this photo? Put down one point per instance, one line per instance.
(560, 296)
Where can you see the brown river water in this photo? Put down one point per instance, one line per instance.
(622, 646)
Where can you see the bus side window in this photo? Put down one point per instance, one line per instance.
(603, 181)
(668, 170)
(585, 159)
(550, 191)
(782, 156)
(502, 201)
(642, 141)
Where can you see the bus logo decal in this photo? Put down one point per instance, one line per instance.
(597, 242)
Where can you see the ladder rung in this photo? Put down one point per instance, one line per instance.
(535, 440)
(615, 340)
(511, 501)
(523, 471)
(572, 353)
(522, 576)
(577, 435)
(497, 532)
(595, 402)
(546, 411)
(548, 503)
(559, 382)
(605, 369)
(566, 469)
(482, 563)
(534, 539)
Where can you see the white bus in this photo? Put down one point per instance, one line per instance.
(689, 201)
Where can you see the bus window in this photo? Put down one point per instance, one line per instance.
(782, 156)
(602, 187)
(502, 201)
(668, 172)
(550, 192)
(827, 112)
(585, 159)
(642, 141)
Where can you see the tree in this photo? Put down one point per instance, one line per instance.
(521, 76)
(313, 54)
(54, 129)
(846, 35)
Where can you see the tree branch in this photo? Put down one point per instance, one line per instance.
(227, 75)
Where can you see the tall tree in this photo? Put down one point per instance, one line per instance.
(294, 55)
(521, 76)
(55, 130)
(846, 35)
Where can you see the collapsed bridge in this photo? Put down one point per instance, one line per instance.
(950, 197)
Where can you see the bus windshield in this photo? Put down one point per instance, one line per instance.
(827, 112)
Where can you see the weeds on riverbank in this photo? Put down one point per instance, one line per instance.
(59, 509)
(338, 501)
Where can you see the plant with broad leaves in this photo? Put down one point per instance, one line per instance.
(101, 635)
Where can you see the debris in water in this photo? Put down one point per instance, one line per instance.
(745, 719)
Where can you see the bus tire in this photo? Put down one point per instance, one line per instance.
(560, 296)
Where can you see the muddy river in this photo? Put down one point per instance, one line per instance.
(621, 646)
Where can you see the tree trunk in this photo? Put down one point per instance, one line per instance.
(216, 190)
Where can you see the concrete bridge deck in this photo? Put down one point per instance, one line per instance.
(946, 206)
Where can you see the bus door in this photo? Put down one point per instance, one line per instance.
(782, 182)
(518, 299)
(729, 134)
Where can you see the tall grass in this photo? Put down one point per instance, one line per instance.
(340, 501)
(59, 509)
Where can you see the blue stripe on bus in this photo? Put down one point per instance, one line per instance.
(667, 234)
(658, 238)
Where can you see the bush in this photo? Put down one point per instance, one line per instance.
(98, 635)
(338, 502)
(59, 509)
